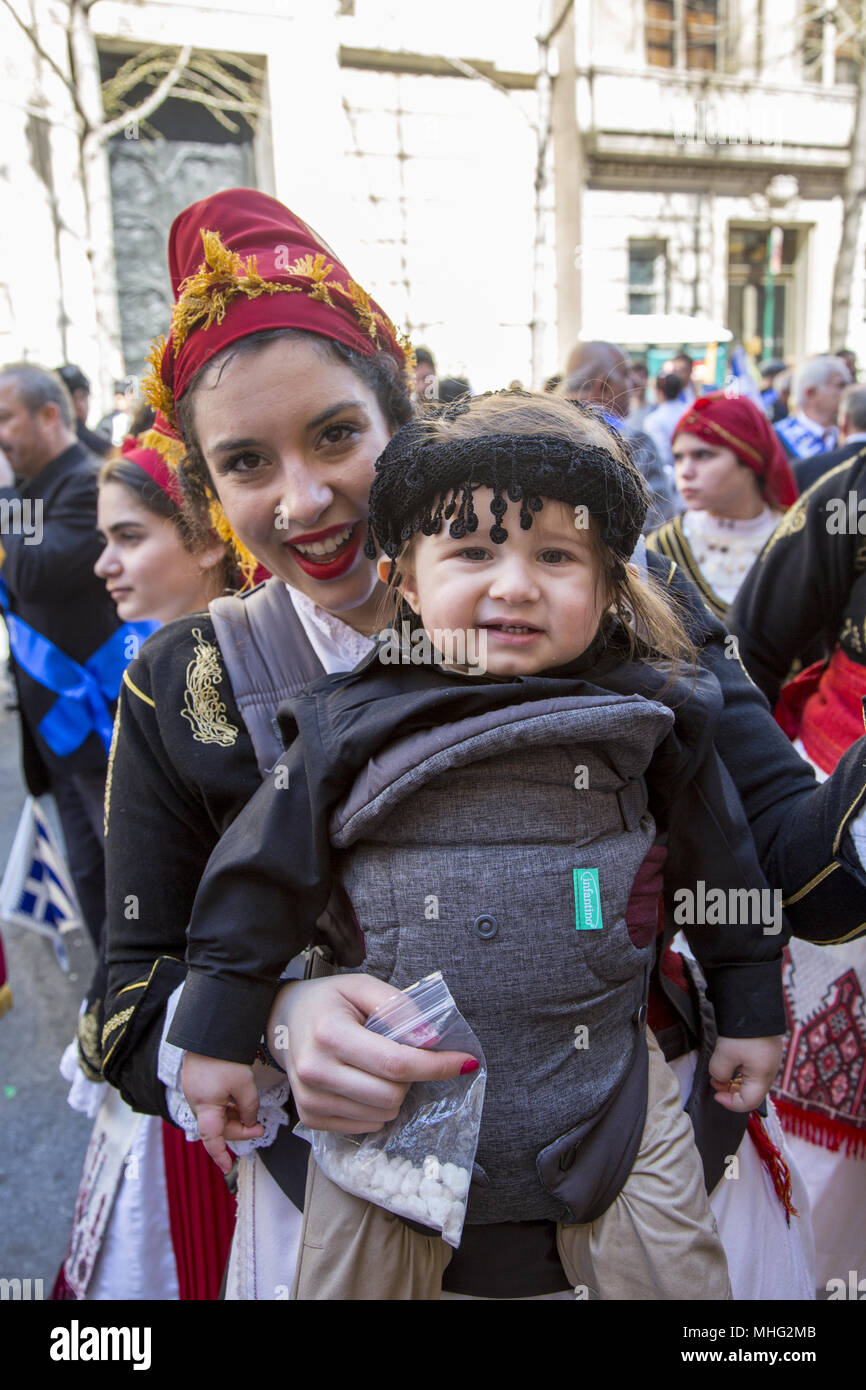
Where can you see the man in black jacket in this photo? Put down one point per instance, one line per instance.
(59, 614)
(78, 387)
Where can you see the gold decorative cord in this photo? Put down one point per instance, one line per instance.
(203, 707)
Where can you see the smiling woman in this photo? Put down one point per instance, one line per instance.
(279, 386)
(293, 469)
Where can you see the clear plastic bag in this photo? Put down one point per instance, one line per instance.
(420, 1164)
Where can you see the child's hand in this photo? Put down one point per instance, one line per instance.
(742, 1070)
(224, 1099)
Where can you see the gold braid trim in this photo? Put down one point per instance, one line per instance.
(222, 276)
(793, 521)
(697, 419)
(314, 268)
(203, 708)
(116, 1021)
(89, 1056)
(109, 775)
(157, 394)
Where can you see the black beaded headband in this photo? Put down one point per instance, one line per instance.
(422, 482)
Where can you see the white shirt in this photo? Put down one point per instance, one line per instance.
(724, 549)
(828, 434)
(338, 646)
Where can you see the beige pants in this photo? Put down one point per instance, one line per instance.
(657, 1241)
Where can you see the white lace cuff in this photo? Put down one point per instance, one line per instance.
(84, 1096)
(272, 1094)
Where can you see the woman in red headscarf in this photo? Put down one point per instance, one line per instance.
(277, 389)
(735, 481)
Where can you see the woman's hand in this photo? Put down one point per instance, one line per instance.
(344, 1078)
(742, 1070)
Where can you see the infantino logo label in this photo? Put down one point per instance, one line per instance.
(465, 650)
(21, 516)
(714, 907)
(587, 900)
(74, 1343)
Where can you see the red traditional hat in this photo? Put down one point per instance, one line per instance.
(154, 464)
(736, 423)
(240, 263)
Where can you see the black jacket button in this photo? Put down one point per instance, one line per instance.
(485, 927)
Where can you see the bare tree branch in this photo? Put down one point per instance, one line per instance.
(557, 25)
(46, 58)
(134, 71)
(150, 104)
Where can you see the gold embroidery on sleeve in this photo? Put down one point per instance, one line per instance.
(110, 770)
(115, 1022)
(203, 707)
(793, 521)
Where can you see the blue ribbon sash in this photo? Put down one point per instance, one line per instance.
(84, 692)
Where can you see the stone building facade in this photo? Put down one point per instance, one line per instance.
(412, 137)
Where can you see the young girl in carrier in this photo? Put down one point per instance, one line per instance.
(577, 739)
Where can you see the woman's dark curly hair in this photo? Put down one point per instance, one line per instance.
(381, 373)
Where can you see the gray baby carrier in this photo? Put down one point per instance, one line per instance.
(502, 850)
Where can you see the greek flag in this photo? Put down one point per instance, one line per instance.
(37, 890)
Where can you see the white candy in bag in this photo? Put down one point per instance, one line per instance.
(420, 1164)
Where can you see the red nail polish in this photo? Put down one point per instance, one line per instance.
(471, 1065)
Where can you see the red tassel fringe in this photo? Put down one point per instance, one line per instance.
(775, 1165)
(821, 1129)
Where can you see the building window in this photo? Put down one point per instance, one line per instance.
(831, 44)
(748, 283)
(647, 276)
(683, 34)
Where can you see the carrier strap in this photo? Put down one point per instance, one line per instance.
(268, 657)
